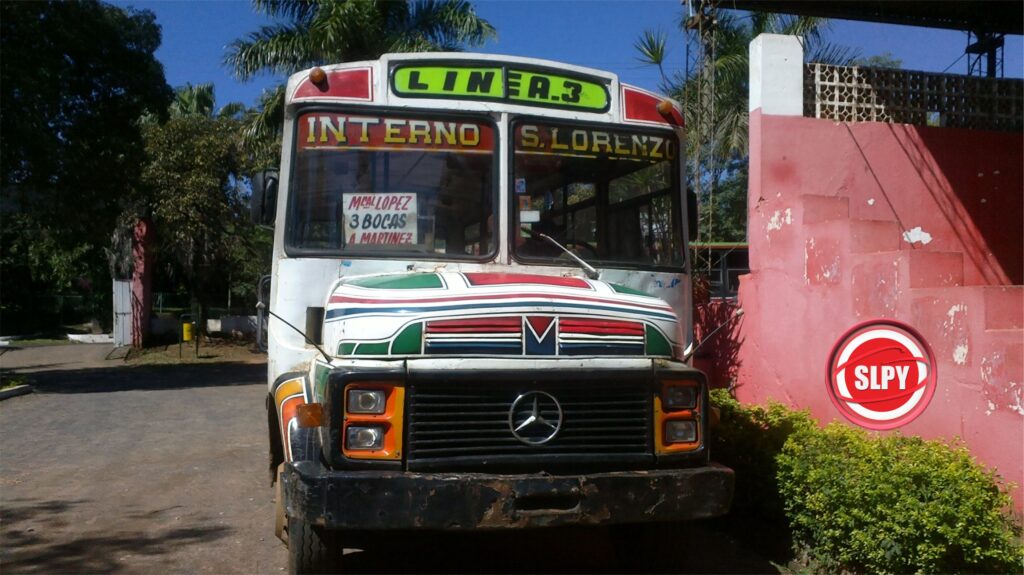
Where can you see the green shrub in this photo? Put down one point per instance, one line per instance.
(894, 504)
(748, 439)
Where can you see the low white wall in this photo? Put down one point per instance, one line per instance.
(245, 324)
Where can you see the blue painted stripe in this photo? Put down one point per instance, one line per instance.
(354, 311)
(469, 348)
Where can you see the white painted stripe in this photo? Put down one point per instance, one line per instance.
(512, 336)
(471, 340)
(582, 336)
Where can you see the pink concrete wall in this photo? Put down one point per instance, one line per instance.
(828, 207)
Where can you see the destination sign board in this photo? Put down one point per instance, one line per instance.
(323, 130)
(516, 85)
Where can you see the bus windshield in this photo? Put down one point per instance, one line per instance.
(609, 194)
(377, 184)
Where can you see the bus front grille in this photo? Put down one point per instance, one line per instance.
(466, 425)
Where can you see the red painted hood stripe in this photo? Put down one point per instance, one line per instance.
(491, 279)
(554, 298)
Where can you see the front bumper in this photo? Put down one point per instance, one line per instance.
(376, 500)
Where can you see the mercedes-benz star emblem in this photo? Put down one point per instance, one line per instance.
(535, 417)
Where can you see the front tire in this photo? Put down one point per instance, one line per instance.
(313, 550)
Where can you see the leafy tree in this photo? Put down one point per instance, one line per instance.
(74, 79)
(324, 32)
(883, 60)
(724, 138)
(199, 100)
(195, 167)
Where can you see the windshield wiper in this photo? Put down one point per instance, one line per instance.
(591, 272)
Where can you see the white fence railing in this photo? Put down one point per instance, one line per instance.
(860, 94)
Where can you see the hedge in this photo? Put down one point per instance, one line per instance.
(863, 503)
(749, 439)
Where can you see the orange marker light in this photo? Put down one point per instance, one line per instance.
(319, 78)
(309, 414)
(664, 107)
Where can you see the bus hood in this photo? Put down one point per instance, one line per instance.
(415, 314)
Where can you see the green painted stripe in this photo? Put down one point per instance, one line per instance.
(380, 348)
(320, 380)
(410, 341)
(410, 281)
(628, 290)
(346, 348)
(656, 343)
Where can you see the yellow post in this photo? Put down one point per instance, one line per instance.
(186, 331)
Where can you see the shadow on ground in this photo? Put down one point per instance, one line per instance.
(699, 549)
(29, 527)
(145, 377)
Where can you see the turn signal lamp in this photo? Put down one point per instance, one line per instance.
(309, 414)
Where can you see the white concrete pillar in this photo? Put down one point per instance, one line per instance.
(777, 75)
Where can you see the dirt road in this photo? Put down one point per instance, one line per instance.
(135, 469)
(162, 469)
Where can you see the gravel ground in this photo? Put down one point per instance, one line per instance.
(119, 468)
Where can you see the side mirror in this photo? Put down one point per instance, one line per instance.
(691, 214)
(264, 197)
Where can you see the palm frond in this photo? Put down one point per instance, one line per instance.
(262, 125)
(448, 23)
(651, 46)
(192, 100)
(295, 10)
(232, 110)
(282, 48)
(832, 54)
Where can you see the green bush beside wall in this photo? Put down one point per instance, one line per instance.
(862, 503)
(749, 439)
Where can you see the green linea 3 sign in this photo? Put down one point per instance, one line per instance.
(502, 83)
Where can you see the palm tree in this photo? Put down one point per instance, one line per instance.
(724, 138)
(326, 31)
(199, 100)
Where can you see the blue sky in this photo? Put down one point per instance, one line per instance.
(595, 33)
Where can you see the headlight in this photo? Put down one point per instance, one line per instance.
(681, 431)
(680, 396)
(365, 401)
(364, 438)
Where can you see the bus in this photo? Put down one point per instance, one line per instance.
(480, 306)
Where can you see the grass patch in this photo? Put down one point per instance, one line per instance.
(9, 380)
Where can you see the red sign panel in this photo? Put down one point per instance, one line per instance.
(321, 130)
(352, 84)
(642, 107)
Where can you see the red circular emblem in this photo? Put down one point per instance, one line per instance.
(881, 374)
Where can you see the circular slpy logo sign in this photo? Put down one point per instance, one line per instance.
(881, 374)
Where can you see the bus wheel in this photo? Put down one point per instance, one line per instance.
(313, 549)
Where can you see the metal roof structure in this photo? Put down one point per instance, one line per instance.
(978, 16)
